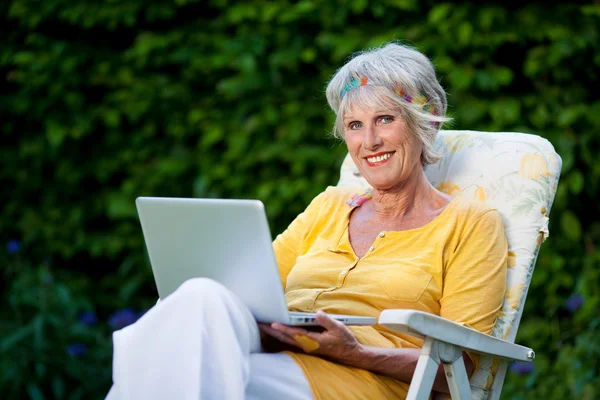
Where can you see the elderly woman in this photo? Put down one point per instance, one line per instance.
(402, 244)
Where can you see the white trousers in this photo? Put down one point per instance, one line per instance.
(201, 342)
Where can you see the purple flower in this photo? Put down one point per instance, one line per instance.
(76, 349)
(13, 246)
(88, 318)
(521, 367)
(122, 318)
(574, 302)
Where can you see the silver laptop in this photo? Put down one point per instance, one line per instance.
(225, 240)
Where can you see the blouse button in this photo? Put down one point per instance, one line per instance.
(318, 290)
(371, 248)
(382, 234)
(344, 272)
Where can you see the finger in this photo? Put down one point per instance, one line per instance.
(327, 322)
(282, 337)
(289, 330)
(318, 336)
(274, 332)
(262, 327)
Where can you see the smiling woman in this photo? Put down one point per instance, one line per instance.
(397, 78)
(401, 244)
(381, 145)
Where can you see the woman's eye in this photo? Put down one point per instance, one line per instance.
(386, 119)
(355, 125)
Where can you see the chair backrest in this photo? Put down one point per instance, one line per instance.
(517, 174)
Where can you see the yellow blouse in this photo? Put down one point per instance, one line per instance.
(455, 267)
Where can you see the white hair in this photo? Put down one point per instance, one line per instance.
(385, 72)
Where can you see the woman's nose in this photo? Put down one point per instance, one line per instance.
(371, 140)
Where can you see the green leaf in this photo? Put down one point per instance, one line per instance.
(576, 181)
(120, 206)
(55, 133)
(569, 115)
(112, 118)
(465, 32)
(439, 13)
(461, 78)
(24, 57)
(15, 337)
(570, 225)
(34, 392)
(58, 387)
(358, 5)
(506, 110)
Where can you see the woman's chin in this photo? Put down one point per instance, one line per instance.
(384, 185)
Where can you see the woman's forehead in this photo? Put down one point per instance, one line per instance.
(367, 99)
(357, 110)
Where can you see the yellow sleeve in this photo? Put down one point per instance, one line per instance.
(289, 244)
(475, 276)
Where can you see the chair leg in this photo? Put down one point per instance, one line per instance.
(432, 354)
(458, 381)
(424, 375)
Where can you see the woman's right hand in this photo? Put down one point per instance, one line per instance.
(335, 341)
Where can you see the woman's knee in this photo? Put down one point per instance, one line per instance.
(197, 289)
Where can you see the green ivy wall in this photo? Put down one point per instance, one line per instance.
(101, 102)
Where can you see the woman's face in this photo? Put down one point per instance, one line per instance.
(382, 147)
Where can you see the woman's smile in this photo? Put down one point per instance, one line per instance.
(379, 158)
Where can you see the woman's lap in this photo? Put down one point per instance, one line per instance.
(230, 353)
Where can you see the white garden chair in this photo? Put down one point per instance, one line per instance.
(517, 174)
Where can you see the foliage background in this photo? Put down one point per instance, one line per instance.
(104, 101)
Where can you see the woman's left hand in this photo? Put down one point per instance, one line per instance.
(336, 341)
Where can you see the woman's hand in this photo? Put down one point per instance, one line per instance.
(336, 341)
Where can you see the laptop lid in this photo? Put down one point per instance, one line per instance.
(225, 240)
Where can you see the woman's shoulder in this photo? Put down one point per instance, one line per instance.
(469, 210)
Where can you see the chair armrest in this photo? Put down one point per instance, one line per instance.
(422, 324)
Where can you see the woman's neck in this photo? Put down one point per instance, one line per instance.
(415, 196)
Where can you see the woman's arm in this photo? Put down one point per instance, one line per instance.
(398, 364)
(339, 344)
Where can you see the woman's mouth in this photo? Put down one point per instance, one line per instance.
(378, 159)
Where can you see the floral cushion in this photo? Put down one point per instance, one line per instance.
(515, 173)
